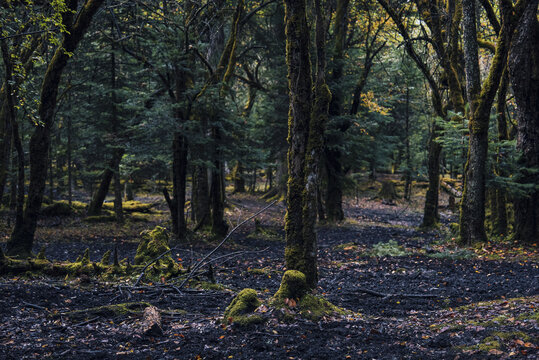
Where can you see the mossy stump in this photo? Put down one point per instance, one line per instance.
(240, 312)
(293, 299)
(153, 244)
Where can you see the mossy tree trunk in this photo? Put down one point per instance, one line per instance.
(333, 156)
(315, 146)
(481, 98)
(299, 255)
(524, 69)
(22, 238)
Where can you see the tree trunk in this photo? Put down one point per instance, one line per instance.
(237, 176)
(299, 117)
(500, 212)
(524, 69)
(430, 211)
(22, 238)
(96, 204)
(201, 199)
(179, 175)
(333, 157)
(480, 98)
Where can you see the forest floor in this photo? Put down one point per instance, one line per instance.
(411, 294)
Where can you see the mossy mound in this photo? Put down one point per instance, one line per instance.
(241, 310)
(131, 206)
(293, 299)
(108, 311)
(293, 286)
(153, 244)
(100, 219)
(57, 209)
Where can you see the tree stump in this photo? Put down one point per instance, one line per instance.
(388, 192)
(151, 322)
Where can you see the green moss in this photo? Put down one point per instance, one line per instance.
(105, 260)
(390, 248)
(314, 308)
(100, 218)
(131, 206)
(210, 286)
(153, 244)
(262, 271)
(86, 257)
(140, 217)
(529, 316)
(293, 286)
(294, 257)
(241, 309)
(108, 311)
(41, 254)
(350, 246)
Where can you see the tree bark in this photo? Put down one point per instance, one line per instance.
(22, 238)
(96, 204)
(481, 98)
(524, 70)
(298, 254)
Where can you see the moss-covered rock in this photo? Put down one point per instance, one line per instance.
(241, 310)
(153, 244)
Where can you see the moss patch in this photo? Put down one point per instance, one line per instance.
(107, 311)
(131, 206)
(153, 244)
(390, 248)
(241, 310)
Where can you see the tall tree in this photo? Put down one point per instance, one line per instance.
(22, 238)
(481, 97)
(524, 69)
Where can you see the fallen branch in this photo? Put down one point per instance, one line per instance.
(385, 296)
(202, 261)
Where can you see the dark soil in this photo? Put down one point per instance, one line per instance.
(408, 306)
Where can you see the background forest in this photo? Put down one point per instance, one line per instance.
(122, 116)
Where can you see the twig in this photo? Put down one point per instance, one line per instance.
(382, 295)
(201, 262)
(35, 306)
(87, 321)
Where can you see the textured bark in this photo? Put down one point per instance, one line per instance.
(22, 237)
(481, 98)
(201, 196)
(315, 146)
(500, 212)
(333, 157)
(238, 177)
(524, 69)
(299, 117)
(12, 119)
